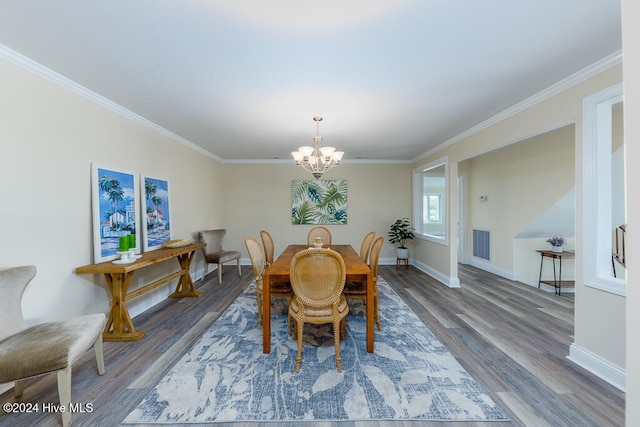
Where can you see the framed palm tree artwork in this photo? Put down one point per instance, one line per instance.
(116, 213)
(319, 201)
(156, 216)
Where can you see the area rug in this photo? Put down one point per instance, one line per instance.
(225, 377)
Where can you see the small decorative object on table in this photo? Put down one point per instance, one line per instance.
(556, 243)
(177, 243)
(318, 243)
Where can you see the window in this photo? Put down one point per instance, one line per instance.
(433, 204)
(429, 201)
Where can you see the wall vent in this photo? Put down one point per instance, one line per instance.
(482, 244)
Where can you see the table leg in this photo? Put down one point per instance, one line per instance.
(560, 277)
(266, 314)
(119, 326)
(540, 275)
(555, 278)
(370, 312)
(185, 286)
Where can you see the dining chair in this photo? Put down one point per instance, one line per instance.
(214, 253)
(269, 248)
(277, 289)
(365, 246)
(50, 347)
(317, 279)
(323, 233)
(358, 290)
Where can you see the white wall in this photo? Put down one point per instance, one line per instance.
(631, 43)
(521, 182)
(599, 316)
(49, 137)
(261, 199)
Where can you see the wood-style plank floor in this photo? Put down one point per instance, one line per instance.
(512, 338)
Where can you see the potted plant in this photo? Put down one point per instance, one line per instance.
(399, 232)
(556, 243)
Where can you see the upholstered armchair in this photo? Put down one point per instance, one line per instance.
(214, 253)
(30, 351)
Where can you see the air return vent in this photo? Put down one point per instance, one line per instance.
(482, 244)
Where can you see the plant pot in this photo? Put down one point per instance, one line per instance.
(557, 249)
(402, 253)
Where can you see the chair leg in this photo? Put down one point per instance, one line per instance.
(259, 302)
(99, 354)
(239, 268)
(299, 331)
(375, 311)
(220, 273)
(18, 388)
(64, 390)
(336, 340)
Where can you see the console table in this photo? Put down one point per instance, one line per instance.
(119, 326)
(557, 281)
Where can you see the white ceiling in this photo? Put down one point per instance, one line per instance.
(243, 79)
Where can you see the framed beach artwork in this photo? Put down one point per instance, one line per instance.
(116, 212)
(319, 201)
(156, 215)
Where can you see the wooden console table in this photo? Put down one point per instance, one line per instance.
(557, 281)
(119, 325)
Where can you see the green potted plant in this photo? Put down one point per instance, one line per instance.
(399, 232)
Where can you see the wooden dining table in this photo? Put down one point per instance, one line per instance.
(356, 269)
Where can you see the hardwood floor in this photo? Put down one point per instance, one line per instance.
(512, 338)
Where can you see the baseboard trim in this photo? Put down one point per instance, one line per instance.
(492, 269)
(598, 366)
(451, 282)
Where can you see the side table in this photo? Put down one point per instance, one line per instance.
(557, 281)
(402, 262)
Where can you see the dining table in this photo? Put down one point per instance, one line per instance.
(356, 271)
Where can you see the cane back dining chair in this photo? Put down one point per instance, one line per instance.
(269, 248)
(322, 232)
(30, 351)
(317, 278)
(277, 289)
(365, 246)
(358, 290)
(214, 253)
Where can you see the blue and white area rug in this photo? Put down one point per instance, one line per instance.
(225, 377)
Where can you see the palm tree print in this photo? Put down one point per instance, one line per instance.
(319, 202)
(112, 188)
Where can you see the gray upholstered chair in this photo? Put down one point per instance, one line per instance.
(30, 351)
(323, 233)
(214, 252)
(317, 278)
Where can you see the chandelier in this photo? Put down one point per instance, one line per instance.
(317, 160)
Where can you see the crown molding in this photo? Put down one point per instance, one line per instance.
(567, 83)
(40, 70)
